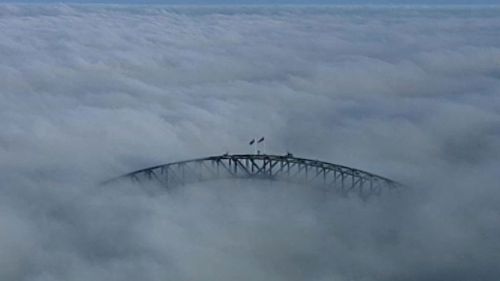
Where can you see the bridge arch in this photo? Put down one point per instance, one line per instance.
(338, 178)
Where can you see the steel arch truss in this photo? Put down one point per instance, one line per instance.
(341, 179)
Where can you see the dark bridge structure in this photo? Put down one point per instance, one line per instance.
(343, 180)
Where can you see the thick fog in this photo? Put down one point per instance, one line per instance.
(91, 92)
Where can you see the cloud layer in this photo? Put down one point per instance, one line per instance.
(90, 92)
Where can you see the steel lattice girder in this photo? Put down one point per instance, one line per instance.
(263, 166)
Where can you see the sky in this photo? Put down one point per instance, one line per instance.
(269, 2)
(92, 92)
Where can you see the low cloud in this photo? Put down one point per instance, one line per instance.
(91, 92)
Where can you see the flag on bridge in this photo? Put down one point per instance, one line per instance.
(260, 140)
(251, 142)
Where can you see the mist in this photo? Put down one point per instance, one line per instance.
(91, 92)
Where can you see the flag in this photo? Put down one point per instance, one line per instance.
(251, 142)
(260, 140)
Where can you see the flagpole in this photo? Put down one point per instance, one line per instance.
(264, 145)
(252, 142)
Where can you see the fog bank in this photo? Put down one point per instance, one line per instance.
(91, 92)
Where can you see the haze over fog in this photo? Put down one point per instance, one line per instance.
(91, 92)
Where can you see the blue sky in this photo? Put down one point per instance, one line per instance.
(270, 2)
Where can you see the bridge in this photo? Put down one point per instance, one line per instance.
(341, 179)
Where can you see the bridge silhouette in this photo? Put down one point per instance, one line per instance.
(341, 179)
